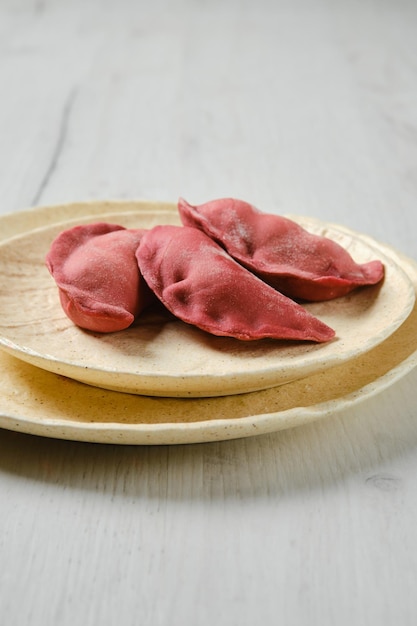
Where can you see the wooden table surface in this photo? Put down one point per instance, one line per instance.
(299, 107)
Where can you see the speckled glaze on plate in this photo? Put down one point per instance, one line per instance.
(161, 356)
(38, 402)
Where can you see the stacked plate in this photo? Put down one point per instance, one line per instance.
(162, 381)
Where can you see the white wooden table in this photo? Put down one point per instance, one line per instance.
(300, 107)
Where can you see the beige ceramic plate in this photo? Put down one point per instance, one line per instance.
(37, 402)
(160, 356)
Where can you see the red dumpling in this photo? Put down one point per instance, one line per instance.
(202, 285)
(297, 263)
(95, 269)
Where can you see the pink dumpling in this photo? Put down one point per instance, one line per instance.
(202, 285)
(286, 256)
(95, 269)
